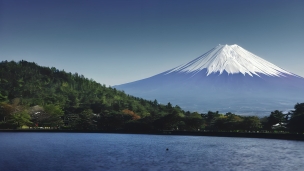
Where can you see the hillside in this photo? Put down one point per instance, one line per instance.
(37, 85)
(43, 97)
(38, 89)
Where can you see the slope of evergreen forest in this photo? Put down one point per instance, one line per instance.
(36, 85)
(25, 86)
(36, 96)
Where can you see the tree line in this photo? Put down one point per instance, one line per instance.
(35, 96)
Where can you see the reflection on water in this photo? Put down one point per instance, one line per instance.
(85, 151)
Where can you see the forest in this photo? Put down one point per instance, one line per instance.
(36, 97)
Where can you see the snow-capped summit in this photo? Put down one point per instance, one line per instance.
(231, 59)
(227, 78)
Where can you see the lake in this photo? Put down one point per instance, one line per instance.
(132, 152)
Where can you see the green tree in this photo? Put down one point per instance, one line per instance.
(20, 119)
(3, 98)
(233, 121)
(55, 114)
(274, 118)
(251, 123)
(220, 122)
(168, 122)
(113, 121)
(5, 111)
(211, 118)
(86, 121)
(297, 119)
(193, 123)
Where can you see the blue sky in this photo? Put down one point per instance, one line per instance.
(118, 41)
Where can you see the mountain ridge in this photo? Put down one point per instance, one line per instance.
(258, 88)
(228, 58)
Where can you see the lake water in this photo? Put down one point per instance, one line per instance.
(131, 152)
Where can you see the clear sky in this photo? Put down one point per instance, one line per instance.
(119, 41)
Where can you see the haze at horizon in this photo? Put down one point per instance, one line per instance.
(116, 42)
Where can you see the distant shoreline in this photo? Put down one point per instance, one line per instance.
(298, 137)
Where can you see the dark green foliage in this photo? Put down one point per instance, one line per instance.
(86, 121)
(3, 98)
(233, 122)
(36, 85)
(274, 118)
(54, 115)
(192, 124)
(112, 121)
(19, 119)
(296, 122)
(168, 122)
(211, 118)
(251, 123)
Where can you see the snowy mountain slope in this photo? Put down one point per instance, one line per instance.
(227, 79)
(232, 59)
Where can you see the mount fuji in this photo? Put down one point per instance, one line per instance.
(227, 78)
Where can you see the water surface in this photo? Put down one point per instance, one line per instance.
(131, 152)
